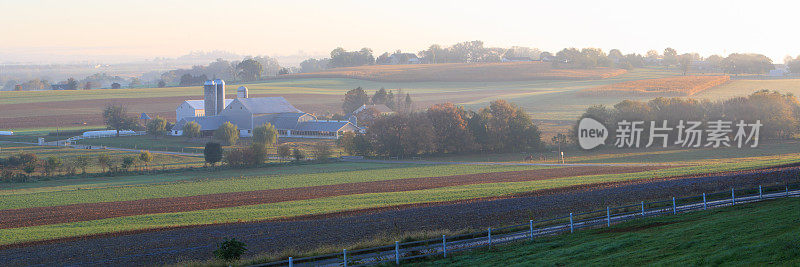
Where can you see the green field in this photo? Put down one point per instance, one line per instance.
(197, 145)
(777, 150)
(756, 234)
(235, 181)
(301, 207)
(67, 155)
(147, 142)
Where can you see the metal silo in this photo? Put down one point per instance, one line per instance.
(220, 95)
(210, 98)
(241, 92)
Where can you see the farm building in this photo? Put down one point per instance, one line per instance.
(517, 59)
(247, 113)
(193, 108)
(366, 114)
(380, 108)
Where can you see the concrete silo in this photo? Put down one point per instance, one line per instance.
(220, 95)
(210, 98)
(241, 92)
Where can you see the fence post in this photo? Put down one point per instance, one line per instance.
(490, 236)
(608, 216)
(290, 262)
(571, 228)
(733, 197)
(642, 208)
(705, 204)
(760, 196)
(531, 222)
(344, 253)
(787, 190)
(444, 245)
(673, 206)
(397, 252)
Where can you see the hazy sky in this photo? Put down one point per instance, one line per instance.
(105, 29)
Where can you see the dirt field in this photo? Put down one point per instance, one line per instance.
(94, 211)
(171, 246)
(462, 72)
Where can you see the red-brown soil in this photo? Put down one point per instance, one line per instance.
(94, 211)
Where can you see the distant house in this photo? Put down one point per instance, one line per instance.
(778, 72)
(516, 59)
(365, 114)
(380, 108)
(403, 58)
(547, 58)
(248, 113)
(59, 86)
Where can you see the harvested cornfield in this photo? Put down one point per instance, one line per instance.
(672, 86)
(463, 72)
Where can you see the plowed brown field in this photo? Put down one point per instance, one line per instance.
(95, 211)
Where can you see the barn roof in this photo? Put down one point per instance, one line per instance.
(264, 105)
(381, 108)
(283, 121)
(199, 104)
(323, 126)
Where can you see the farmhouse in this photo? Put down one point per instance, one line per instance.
(366, 114)
(247, 113)
(517, 59)
(403, 58)
(379, 108)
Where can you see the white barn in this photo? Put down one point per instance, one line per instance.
(248, 113)
(193, 108)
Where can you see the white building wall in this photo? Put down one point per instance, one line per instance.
(185, 110)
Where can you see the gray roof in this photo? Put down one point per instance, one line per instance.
(323, 126)
(264, 105)
(282, 121)
(380, 108)
(199, 104)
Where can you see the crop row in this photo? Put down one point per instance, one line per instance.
(671, 86)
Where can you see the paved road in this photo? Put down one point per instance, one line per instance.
(197, 243)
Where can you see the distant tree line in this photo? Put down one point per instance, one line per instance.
(779, 114)
(475, 51)
(446, 128)
(342, 58)
(248, 69)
